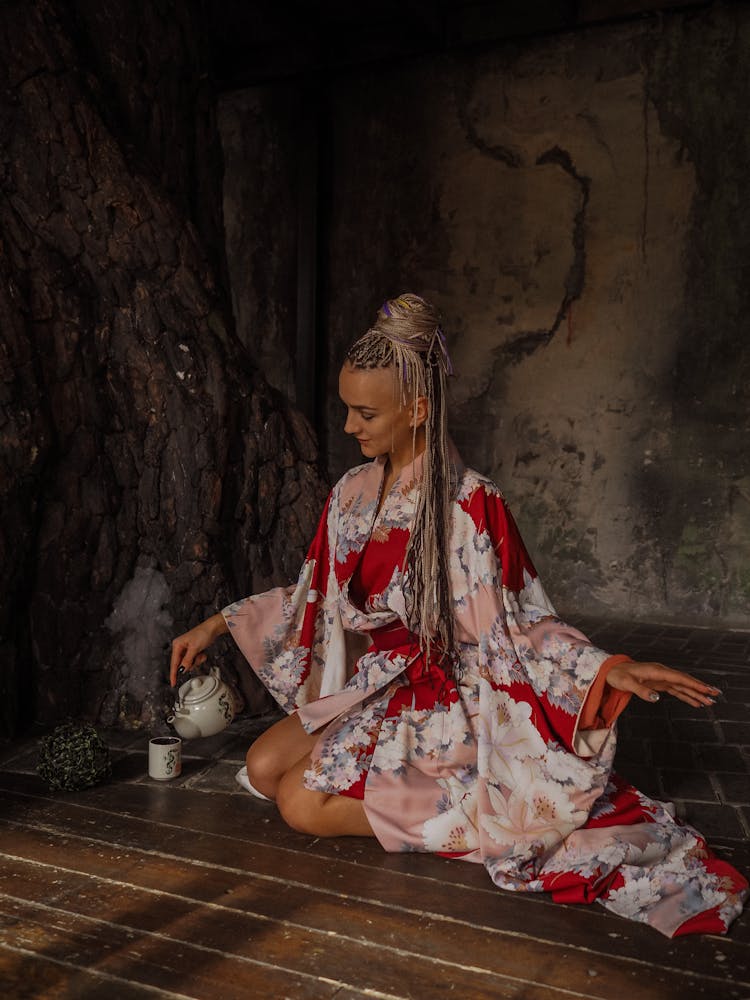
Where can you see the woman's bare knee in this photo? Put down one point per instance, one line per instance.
(298, 808)
(262, 769)
(274, 752)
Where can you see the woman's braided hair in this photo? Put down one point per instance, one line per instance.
(407, 337)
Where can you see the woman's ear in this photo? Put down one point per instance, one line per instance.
(418, 412)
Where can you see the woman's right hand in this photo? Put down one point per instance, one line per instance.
(187, 649)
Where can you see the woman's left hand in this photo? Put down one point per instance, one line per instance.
(648, 680)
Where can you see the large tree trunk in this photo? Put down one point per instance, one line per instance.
(147, 472)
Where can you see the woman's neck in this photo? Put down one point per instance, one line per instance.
(397, 460)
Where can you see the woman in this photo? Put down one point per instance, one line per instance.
(475, 724)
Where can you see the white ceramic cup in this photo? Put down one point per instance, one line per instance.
(164, 757)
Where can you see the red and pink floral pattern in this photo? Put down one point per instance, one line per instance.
(501, 765)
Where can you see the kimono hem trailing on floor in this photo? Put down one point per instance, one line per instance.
(510, 764)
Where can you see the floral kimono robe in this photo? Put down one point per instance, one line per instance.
(510, 764)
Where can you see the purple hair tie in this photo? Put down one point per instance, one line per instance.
(385, 309)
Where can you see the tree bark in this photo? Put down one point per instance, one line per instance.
(148, 474)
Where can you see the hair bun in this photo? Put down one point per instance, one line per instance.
(408, 317)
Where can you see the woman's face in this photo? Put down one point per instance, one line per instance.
(375, 415)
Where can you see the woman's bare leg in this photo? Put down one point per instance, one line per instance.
(318, 813)
(275, 752)
(276, 763)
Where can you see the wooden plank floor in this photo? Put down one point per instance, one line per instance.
(142, 889)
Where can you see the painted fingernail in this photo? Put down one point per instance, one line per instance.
(654, 696)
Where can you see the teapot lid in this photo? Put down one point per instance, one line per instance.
(197, 689)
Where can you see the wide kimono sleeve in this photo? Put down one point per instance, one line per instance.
(524, 648)
(293, 637)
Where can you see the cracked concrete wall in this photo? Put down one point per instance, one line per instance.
(576, 206)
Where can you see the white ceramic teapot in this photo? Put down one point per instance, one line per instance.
(205, 705)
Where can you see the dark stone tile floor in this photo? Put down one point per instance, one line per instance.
(699, 759)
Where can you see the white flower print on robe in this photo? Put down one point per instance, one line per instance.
(494, 767)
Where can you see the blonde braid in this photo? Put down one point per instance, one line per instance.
(407, 337)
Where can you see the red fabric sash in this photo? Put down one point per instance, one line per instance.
(394, 636)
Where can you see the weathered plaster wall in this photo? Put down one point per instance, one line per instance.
(576, 205)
